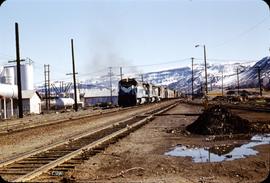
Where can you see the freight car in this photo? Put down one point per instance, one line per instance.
(132, 92)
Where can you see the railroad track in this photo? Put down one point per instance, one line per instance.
(6, 128)
(248, 108)
(52, 162)
(233, 106)
(9, 127)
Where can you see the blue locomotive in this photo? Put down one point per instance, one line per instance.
(132, 92)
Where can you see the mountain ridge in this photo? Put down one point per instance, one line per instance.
(180, 78)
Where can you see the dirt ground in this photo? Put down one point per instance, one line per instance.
(252, 116)
(17, 143)
(139, 157)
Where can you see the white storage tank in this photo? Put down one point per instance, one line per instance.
(8, 91)
(64, 102)
(72, 94)
(8, 75)
(27, 76)
(1, 70)
(60, 103)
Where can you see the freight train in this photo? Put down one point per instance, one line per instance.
(132, 92)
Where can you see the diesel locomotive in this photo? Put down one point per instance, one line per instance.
(132, 92)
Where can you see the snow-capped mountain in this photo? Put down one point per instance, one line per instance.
(250, 77)
(180, 78)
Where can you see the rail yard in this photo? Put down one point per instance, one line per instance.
(134, 91)
(132, 144)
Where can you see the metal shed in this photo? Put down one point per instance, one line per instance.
(98, 96)
(31, 102)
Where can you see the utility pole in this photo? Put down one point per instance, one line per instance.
(205, 71)
(47, 86)
(74, 77)
(222, 84)
(110, 75)
(211, 86)
(20, 105)
(121, 74)
(192, 79)
(259, 78)
(61, 86)
(205, 68)
(238, 87)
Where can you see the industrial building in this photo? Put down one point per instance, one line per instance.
(9, 90)
(100, 95)
(31, 102)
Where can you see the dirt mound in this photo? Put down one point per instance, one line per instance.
(218, 120)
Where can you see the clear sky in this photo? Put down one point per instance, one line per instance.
(132, 33)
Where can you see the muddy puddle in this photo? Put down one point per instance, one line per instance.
(220, 153)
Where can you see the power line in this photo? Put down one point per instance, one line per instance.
(175, 61)
(228, 60)
(61, 79)
(133, 66)
(6, 56)
(138, 74)
(148, 65)
(242, 33)
(90, 73)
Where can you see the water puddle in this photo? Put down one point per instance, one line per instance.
(220, 153)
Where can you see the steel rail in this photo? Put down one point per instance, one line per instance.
(20, 127)
(29, 176)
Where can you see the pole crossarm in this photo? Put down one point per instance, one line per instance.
(71, 73)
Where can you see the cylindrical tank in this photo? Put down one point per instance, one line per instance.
(64, 102)
(1, 70)
(8, 75)
(8, 91)
(59, 103)
(78, 95)
(27, 76)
